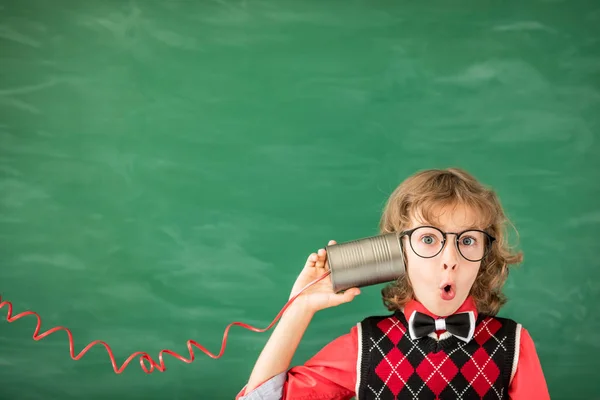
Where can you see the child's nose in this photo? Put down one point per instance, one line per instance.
(450, 256)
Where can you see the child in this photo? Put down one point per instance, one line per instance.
(442, 340)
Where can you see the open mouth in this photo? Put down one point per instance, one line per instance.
(448, 292)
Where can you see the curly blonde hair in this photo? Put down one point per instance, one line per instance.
(428, 190)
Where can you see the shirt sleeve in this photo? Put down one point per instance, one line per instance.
(329, 374)
(529, 381)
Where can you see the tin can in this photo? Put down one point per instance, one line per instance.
(365, 262)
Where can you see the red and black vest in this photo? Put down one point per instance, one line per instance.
(393, 366)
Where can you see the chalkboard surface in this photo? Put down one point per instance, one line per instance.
(167, 166)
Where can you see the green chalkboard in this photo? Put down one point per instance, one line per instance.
(167, 166)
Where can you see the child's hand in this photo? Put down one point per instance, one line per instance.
(320, 295)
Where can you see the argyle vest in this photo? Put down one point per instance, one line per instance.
(393, 366)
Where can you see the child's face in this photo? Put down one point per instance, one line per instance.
(430, 276)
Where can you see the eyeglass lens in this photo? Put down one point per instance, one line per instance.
(428, 242)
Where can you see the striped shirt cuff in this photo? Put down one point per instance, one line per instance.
(269, 390)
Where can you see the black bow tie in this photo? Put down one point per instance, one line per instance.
(461, 325)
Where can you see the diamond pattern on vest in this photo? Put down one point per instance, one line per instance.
(402, 368)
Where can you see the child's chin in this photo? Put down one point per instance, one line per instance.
(443, 308)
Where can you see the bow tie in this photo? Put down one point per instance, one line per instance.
(461, 325)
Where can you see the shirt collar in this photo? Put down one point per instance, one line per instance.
(414, 305)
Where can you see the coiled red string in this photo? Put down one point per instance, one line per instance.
(143, 355)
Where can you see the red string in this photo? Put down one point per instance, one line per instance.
(145, 356)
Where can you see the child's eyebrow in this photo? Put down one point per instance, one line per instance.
(470, 228)
(457, 230)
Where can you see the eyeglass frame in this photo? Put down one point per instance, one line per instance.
(444, 235)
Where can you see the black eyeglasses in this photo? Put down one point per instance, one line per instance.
(429, 241)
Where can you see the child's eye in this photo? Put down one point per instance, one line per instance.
(468, 241)
(428, 239)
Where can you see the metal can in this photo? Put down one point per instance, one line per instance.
(365, 262)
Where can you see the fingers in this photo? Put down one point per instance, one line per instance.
(321, 256)
(318, 259)
(311, 260)
(347, 296)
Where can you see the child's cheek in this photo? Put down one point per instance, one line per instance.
(468, 275)
(422, 274)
